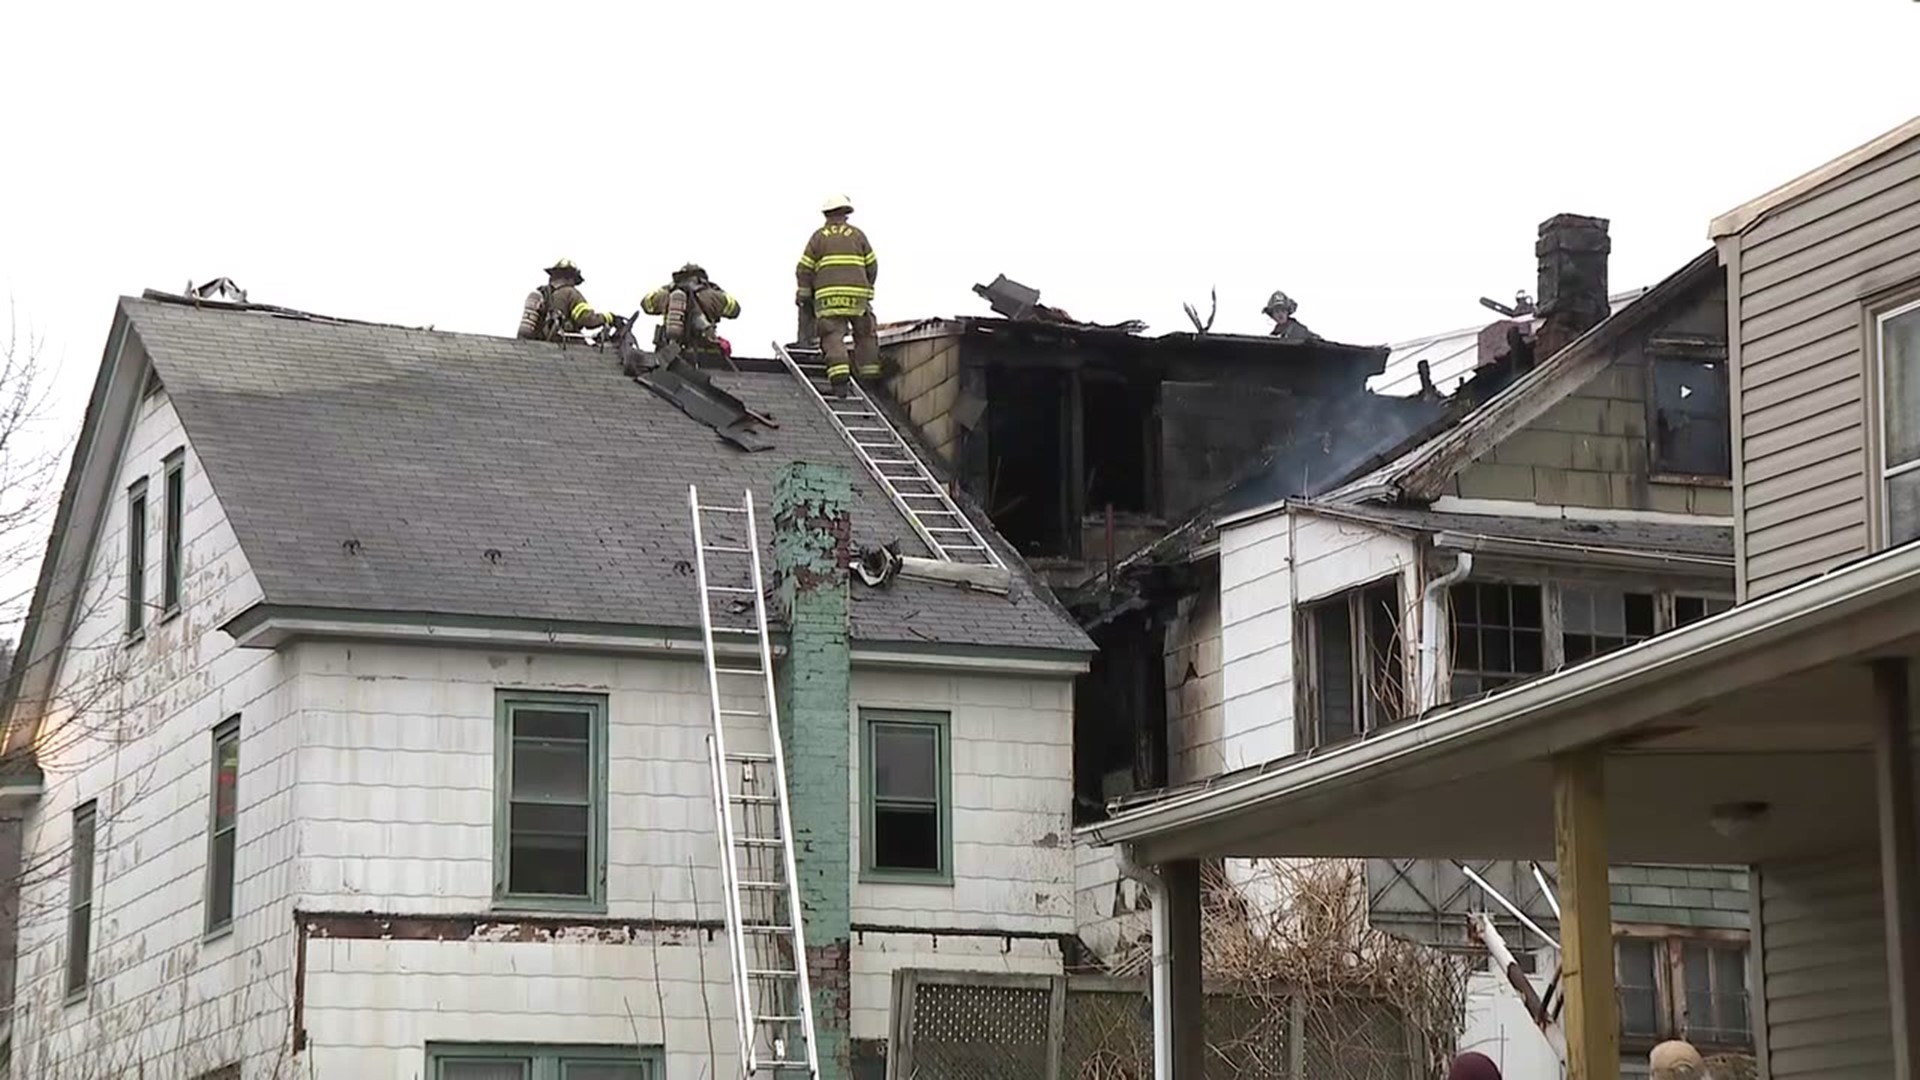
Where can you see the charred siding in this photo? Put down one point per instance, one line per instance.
(1805, 276)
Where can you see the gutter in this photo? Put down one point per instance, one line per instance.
(1882, 579)
(1585, 555)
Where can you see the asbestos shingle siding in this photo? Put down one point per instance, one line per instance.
(433, 449)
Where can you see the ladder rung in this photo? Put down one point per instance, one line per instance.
(963, 547)
(776, 1019)
(726, 550)
(736, 630)
(754, 672)
(758, 841)
(723, 509)
(763, 885)
(890, 461)
(741, 712)
(786, 1064)
(749, 758)
(747, 589)
(772, 973)
(947, 528)
(754, 800)
(766, 928)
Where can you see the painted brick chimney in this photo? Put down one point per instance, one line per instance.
(812, 542)
(1572, 252)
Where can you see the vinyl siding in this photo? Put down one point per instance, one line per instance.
(927, 386)
(1822, 969)
(1803, 273)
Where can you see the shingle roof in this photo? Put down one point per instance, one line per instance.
(432, 448)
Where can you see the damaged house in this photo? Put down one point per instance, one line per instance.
(1582, 505)
(365, 675)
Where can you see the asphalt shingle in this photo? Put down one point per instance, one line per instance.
(490, 477)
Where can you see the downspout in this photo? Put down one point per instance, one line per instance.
(1162, 966)
(1431, 629)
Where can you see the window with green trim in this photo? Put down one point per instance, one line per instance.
(550, 821)
(173, 565)
(906, 800)
(223, 824)
(137, 558)
(518, 1062)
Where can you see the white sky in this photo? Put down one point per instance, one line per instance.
(1383, 162)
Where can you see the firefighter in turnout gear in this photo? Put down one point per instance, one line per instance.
(557, 308)
(834, 292)
(692, 304)
(1280, 308)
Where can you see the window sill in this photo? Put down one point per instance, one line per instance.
(218, 933)
(906, 877)
(524, 905)
(169, 615)
(75, 997)
(1684, 478)
(136, 638)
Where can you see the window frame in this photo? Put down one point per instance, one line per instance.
(173, 561)
(1309, 694)
(1685, 350)
(79, 923)
(941, 723)
(547, 1061)
(1670, 1005)
(224, 733)
(135, 579)
(506, 702)
(1876, 317)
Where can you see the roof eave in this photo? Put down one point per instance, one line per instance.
(1748, 214)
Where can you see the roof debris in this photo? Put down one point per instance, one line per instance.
(1022, 304)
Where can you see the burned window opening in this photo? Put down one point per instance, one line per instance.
(1120, 717)
(1691, 418)
(1358, 680)
(1692, 609)
(1118, 432)
(1498, 636)
(1028, 449)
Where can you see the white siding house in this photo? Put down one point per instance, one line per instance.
(287, 784)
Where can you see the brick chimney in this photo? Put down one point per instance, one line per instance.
(812, 542)
(1572, 252)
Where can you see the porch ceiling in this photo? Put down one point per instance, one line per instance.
(1769, 703)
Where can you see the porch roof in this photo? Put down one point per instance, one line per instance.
(1765, 703)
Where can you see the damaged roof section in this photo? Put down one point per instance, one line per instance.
(379, 469)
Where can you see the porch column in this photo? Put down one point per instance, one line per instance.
(1592, 1017)
(1181, 880)
(1899, 876)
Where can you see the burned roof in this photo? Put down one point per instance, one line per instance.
(378, 468)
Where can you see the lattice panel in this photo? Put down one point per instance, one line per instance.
(983, 1032)
(1109, 1036)
(1357, 1041)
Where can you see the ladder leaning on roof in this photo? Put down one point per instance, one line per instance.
(890, 457)
(766, 943)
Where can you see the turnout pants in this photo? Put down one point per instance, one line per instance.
(833, 330)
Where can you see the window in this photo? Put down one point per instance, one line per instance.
(80, 898)
(1498, 636)
(172, 569)
(1355, 650)
(137, 558)
(221, 826)
(1692, 609)
(1899, 362)
(904, 828)
(550, 824)
(1682, 986)
(502, 1062)
(1597, 620)
(1691, 430)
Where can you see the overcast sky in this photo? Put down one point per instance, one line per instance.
(1384, 163)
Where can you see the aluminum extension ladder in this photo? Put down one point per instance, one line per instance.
(915, 491)
(766, 943)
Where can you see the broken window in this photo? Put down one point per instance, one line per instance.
(1027, 455)
(551, 826)
(903, 784)
(1690, 417)
(137, 558)
(1597, 620)
(1899, 457)
(1691, 609)
(223, 821)
(80, 898)
(1356, 654)
(1118, 433)
(1498, 636)
(1683, 986)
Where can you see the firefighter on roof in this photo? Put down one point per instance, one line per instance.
(691, 304)
(1280, 308)
(557, 308)
(834, 281)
